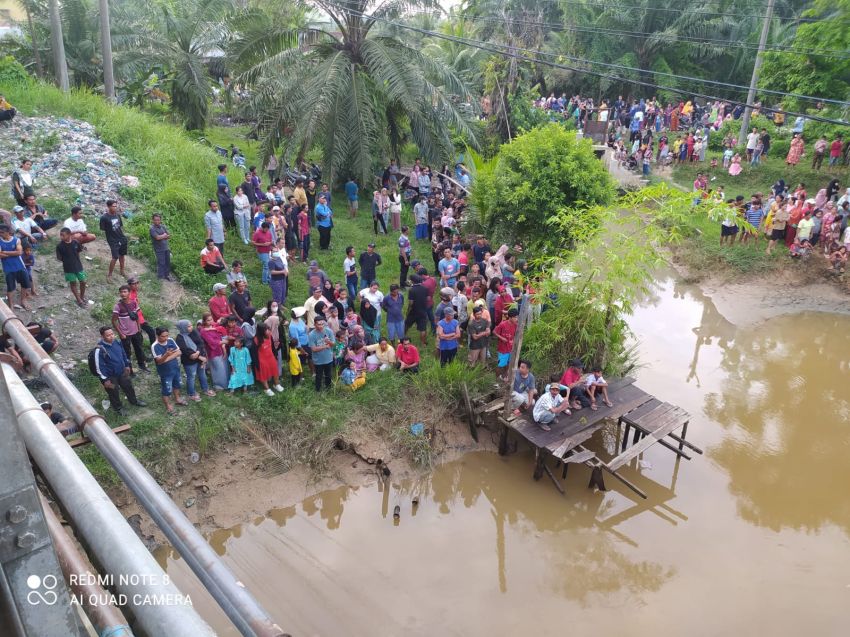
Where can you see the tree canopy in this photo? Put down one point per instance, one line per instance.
(542, 189)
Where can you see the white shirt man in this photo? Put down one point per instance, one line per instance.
(752, 140)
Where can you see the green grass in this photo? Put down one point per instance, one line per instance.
(760, 178)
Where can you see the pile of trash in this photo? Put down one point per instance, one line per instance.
(69, 162)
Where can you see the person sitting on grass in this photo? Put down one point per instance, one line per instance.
(166, 355)
(351, 378)
(549, 405)
(407, 356)
(596, 384)
(211, 260)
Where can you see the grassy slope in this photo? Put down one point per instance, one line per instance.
(704, 254)
(177, 177)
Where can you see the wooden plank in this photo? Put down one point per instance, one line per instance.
(493, 405)
(671, 415)
(639, 447)
(637, 412)
(646, 419)
(82, 440)
(578, 458)
(554, 480)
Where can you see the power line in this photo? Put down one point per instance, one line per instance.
(605, 5)
(686, 78)
(778, 48)
(490, 47)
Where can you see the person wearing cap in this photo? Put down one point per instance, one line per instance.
(310, 305)
(13, 267)
(446, 296)
(79, 231)
(448, 335)
(573, 380)
(549, 405)
(315, 277)
(479, 336)
(369, 262)
(393, 305)
(324, 222)
(27, 229)
(505, 333)
(218, 303)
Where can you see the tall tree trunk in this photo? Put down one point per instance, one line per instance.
(58, 42)
(39, 67)
(106, 48)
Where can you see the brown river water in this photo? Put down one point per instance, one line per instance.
(751, 538)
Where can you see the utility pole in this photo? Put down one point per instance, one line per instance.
(106, 49)
(751, 94)
(59, 63)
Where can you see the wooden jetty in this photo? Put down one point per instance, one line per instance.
(644, 418)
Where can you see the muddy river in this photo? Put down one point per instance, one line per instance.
(751, 538)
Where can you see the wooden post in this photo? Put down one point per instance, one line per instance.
(515, 352)
(538, 465)
(503, 440)
(684, 435)
(470, 410)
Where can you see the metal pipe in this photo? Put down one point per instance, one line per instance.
(111, 540)
(106, 618)
(238, 604)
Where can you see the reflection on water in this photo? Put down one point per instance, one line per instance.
(750, 538)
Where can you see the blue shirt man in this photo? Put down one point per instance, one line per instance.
(351, 190)
(449, 268)
(316, 339)
(323, 214)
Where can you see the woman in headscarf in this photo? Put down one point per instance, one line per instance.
(377, 212)
(821, 198)
(212, 334)
(225, 204)
(279, 272)
(193, 355)
(831, 190)
(369, 319)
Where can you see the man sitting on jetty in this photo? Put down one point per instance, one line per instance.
(524, 390)
(549, 405)
(573, 379)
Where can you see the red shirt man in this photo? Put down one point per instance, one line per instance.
(835, 148)
(407, 355)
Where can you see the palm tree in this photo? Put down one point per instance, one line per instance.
(106, 47)
(60, 66)
(180, 37)
(352, 88)
(465, 61)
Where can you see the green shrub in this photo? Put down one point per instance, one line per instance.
(12, 73)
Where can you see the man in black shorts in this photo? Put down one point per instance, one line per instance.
(113, 228)
(417, 307)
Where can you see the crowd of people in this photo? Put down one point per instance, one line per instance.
(787, 216)
(466, 296)
(645, 132)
